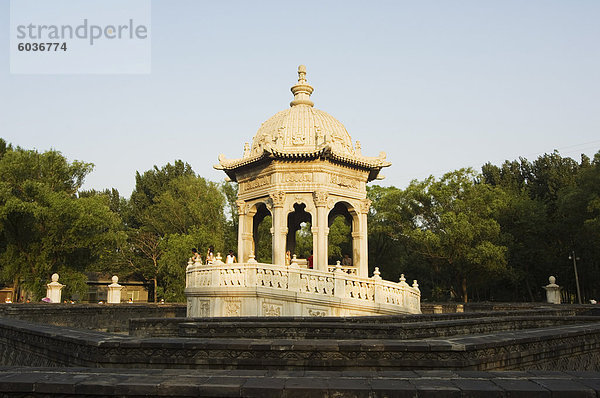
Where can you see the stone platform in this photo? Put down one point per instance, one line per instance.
(100, 317)
(82, 382)
(546, 339)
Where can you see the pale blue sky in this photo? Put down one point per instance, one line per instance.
(438, 85)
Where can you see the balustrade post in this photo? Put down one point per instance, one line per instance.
(294, 276)
(378, 291)
(215, 277)
(250, 275)
(339, 281)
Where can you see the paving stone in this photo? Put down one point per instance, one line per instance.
(566, 388)
(101, 385)
(20, 382)
(474, 388)
(220, 386)
(435, 387)
(393, 388)
(396, 374)
(583, 374)
(510, 374)
(436, 373)
(305, 387)
(138, 385)
(60, 383)
(593, 383)
(349, 387)
(263, 387)
(552, 374)
(522, 388)
(182, 385)
(473, 374)
(286, 373)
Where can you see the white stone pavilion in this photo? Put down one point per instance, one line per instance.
(302, 167)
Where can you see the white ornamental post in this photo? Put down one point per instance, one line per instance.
(114, 291)
(54, 289)
(552, 291)
(339, 277)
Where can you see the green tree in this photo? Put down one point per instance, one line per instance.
(264, 241)
(450, 224)
(542, 222)
(230, 190)
(578, 216)
(170, 208)
(45, 226)
(339, 239)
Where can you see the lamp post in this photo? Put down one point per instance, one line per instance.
(574, 258)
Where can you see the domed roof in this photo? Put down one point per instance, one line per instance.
(302, 131)
(301, 128)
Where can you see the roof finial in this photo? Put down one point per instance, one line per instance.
(302, 74)
(302, 90)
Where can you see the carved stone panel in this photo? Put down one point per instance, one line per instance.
(254, 183)
(233, 307)
(271, 309)
(316, 312)
(295, 177)
(344, 181)
(203, 308)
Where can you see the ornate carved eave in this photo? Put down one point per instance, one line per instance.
(373, 164)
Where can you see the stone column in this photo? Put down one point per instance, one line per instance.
(114, 291)
(243, 250)
(315, 245)
(279, 228)
(356, 235)
(363, 246)
(320, 256)
(54, 289)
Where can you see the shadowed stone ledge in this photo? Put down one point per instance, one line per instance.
(65, 382)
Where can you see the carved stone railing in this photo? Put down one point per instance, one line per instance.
(349, 269)
(337, 284)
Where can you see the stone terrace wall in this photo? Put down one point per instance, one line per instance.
(568, 347)
(169, 327)
(104, 317)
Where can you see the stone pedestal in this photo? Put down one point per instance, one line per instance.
(54, 289)
(114, 291)
(552, 291)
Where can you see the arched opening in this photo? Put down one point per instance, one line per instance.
(339, 239)
(299, 237)
(261, 232)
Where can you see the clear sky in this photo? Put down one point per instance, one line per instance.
(438, 85)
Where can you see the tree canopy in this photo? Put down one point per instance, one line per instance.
(496, 234)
